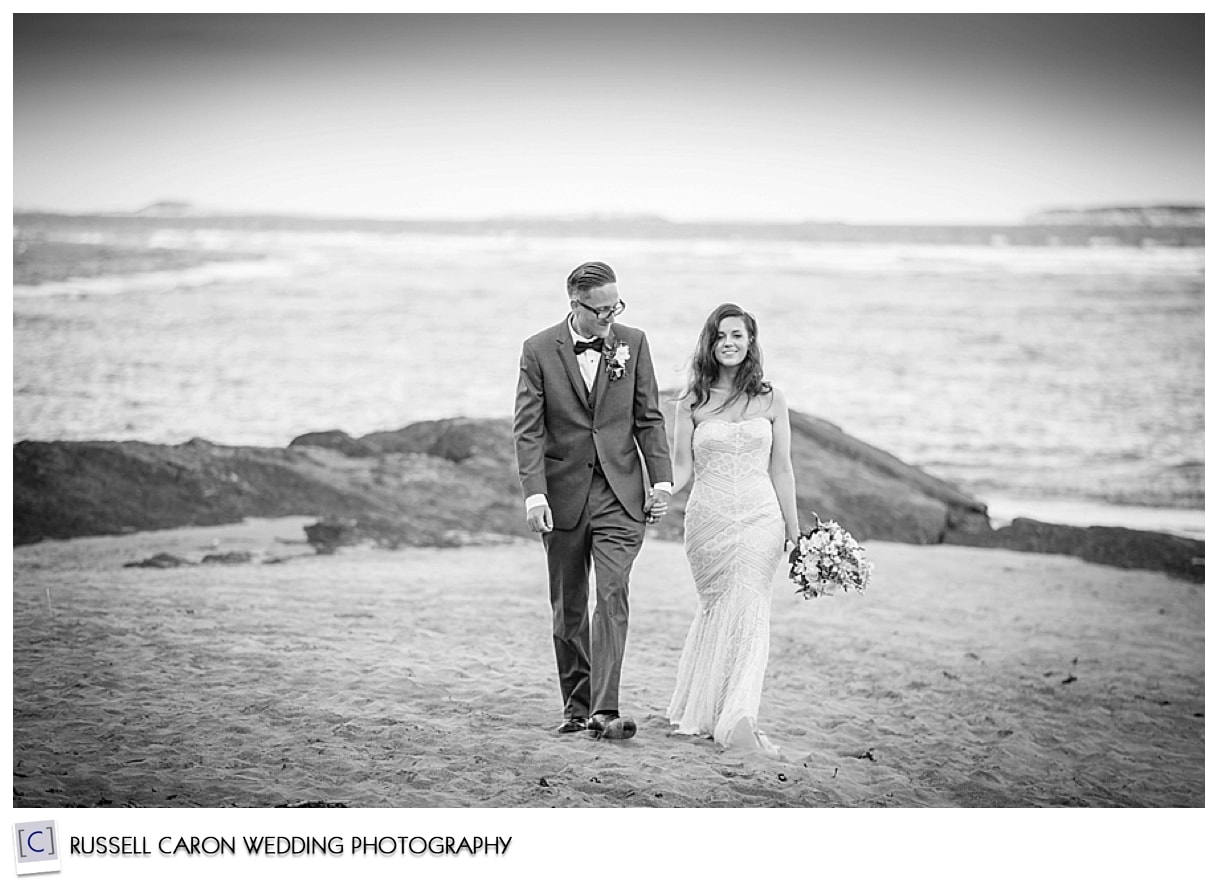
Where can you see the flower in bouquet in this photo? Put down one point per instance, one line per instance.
(826, 560)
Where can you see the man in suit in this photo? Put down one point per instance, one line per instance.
(587, 423)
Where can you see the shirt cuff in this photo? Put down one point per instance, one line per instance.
(535, 500)
(666, 486)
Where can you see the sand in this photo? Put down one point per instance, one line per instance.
(425, 677)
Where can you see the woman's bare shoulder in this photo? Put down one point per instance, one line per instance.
(776, 403)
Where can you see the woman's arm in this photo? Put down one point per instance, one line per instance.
(682, 446)
(782, 473)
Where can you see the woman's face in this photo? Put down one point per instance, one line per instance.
(732, 343)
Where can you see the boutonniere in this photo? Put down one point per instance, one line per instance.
(615, 364)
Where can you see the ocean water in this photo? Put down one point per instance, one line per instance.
(1055, 381)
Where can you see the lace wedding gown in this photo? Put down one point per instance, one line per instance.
(734, 536)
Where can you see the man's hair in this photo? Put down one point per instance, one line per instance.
(587, 276)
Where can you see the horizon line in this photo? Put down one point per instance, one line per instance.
(185, 209)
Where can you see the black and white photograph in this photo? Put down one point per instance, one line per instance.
(468, 411)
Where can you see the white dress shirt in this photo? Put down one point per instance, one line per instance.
(589, 360)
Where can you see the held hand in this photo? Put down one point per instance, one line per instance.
(540, 520)
(657, 505)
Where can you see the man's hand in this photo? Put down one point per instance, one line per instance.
(540, 520)
(657, 505)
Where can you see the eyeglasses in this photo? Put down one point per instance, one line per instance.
(606, 312)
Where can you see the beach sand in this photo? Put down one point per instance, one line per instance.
(425, 677)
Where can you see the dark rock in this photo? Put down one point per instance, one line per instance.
(228, 558)
(161, 561)
(454, 482)
(1023, 534)
(329, 534)
(1114, 546)
(64, 489)
(455, 440)
(1141, 549)
(334, 440)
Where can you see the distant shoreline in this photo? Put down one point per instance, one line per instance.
(1076, 230)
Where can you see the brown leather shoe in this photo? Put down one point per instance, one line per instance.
(573, 724)
(611, 727)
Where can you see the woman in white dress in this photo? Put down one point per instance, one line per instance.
(733, 438)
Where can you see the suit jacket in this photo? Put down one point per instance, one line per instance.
(562, 431)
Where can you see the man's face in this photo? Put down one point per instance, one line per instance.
(593, 310)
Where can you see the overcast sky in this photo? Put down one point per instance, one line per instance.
(868, 118)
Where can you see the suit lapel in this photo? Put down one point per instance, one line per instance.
(602, 375)
(566, 354)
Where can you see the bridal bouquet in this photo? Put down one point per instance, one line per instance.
(826, 560)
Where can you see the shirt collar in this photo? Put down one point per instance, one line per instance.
(575, 334)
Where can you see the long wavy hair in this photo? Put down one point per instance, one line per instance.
(704, 367)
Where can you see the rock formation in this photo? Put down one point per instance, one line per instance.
(453, 482)
(1115, 546)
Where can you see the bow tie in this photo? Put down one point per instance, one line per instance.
(582, 346)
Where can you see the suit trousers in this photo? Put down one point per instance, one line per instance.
(590, 658)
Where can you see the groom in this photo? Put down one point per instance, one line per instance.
(587, 419)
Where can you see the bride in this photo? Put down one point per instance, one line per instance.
(733, 438)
